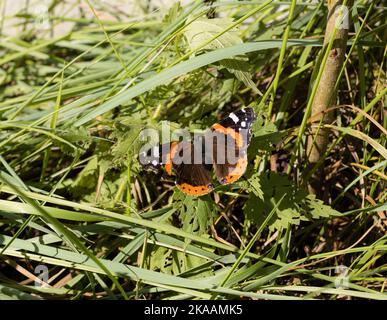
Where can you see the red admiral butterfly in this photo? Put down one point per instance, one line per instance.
(225, 151)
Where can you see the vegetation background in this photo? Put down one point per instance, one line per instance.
(79, 219)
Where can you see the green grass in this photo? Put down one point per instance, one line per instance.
(74, 198)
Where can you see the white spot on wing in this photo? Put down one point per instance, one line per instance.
(154, 162)
(243, 123)
(234, 117)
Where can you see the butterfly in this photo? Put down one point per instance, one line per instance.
(222, 149)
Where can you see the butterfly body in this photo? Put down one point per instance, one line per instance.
(222, 149)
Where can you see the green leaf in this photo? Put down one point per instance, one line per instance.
(196, 213)
(87, 178)
(317, 208)
(296, 206)
(264, 135)
(17, 207)
(9, 293)
(78, 136)
(126, 147)
(252, 183)
(202, 30)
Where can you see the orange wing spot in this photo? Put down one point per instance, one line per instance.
(168, 164)
(194, 191)
(230, 179)
(237, 172)
(235, 135)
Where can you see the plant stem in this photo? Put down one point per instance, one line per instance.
(326, 95)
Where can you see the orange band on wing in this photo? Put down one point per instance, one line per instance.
(237, 172)
(168, 164)
(194, 190)
(235, 135)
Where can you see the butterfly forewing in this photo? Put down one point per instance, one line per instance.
(236, 129)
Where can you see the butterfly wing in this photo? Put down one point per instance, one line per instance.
(236, 132)
(150, 157)
(194, 177)
(191, 178)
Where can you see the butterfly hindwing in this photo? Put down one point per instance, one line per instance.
(191, 178)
